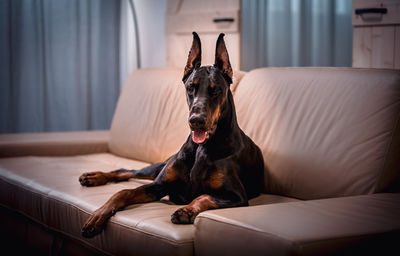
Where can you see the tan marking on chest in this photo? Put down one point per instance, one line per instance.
(216, 180)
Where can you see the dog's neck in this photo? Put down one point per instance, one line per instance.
(227, 128)
(227, 122)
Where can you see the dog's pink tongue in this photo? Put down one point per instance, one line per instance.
(199, 137)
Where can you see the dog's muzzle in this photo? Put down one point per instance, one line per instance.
(197, 124)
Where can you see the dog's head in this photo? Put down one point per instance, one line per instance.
(206, 89)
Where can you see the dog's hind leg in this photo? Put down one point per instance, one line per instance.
(149, 172)
(90, 179)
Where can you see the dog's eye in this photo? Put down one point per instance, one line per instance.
(214, 91)
(190, 89)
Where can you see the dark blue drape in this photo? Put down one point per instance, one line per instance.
(59, 64)
(279, 33)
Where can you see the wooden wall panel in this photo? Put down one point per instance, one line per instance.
(390, 18)
(373, 47)
(362, 47)
(382, 46)
(202, 22)
(185, 16)
(376, 37)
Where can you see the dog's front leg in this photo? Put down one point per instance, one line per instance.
(146, 193)
(187, 213)
(91, 179)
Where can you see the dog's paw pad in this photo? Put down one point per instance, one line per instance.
(89, 232)
(183, 216)
(90, 179)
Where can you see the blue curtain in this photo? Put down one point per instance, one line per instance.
(279, 33)
(59, 64)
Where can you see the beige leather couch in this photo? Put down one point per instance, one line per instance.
(331, 143)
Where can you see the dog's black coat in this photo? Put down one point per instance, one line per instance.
(223, 168)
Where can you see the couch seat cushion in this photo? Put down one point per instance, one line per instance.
(357, 225)
(46, 189)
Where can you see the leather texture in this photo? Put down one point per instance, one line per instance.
(46, 189)
(53, 143)
(324, 132)
(151, 119)
(365, 224)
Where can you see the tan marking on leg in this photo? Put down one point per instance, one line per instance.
(188, 213)
(119, 200)
(122, 176)
(129, 196)
(141, 177)
(170, 174)
(202, 203)
(95, 178)
(141, 197)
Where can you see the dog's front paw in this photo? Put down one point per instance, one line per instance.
(90, 179)
(89, 231)
(184, 215)
(96, 222)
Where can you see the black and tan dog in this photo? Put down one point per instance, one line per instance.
(217, 167)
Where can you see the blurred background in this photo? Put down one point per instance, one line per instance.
(63, 63)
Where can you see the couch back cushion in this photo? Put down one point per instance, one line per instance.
(150, 121)
(324, 132)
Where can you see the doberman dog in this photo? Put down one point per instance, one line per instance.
(217, 167)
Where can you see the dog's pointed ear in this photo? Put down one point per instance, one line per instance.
(222, 59)
(194, 58)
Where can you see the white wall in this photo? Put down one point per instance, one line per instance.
(151, 21)
(150, 16)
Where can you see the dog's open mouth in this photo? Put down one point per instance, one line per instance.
(199, 137)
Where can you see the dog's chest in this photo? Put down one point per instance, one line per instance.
(195, 182)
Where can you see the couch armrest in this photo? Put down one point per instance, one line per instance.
(53, 143)
(361, 224)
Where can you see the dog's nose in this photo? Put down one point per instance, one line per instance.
(197, 121)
